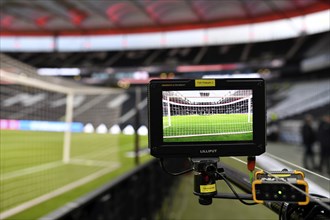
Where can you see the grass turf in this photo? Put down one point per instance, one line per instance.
(30, 166)
(20, 150)
(200, 128)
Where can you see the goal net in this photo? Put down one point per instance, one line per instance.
(207, 114)
(52, 137)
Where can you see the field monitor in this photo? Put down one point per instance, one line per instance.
(206, 117)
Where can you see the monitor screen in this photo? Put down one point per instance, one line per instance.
(207, 115)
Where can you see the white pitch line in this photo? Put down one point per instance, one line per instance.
(91, 162)
(30, 170)
(47, 166)
(195, 135)
(56, 192)
(142, 152)
(97, 153)
(42, 167)
(301, 168)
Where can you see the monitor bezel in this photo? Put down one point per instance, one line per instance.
(161, 149)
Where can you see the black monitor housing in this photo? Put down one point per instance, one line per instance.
(207, 117)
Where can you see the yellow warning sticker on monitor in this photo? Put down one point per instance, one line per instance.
(204, 83)
(208, 188)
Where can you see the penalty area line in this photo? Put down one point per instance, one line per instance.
(56, 192)
(79, 160)
(211, 134)
(30, 170)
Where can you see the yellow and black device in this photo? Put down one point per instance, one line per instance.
(277, 186)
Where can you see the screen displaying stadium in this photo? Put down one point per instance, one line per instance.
(207, 115)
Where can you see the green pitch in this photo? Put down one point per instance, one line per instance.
(217, 127)
(31, 167)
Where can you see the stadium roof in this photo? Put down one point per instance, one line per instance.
(58, 17)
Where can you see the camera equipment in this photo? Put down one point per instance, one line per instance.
(207, 172)
(204, 119)
(207, 117)
(205, 179)
(288, 186)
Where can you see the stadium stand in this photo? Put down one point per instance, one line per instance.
(92, 109)
(301, 97)
(129, 110)
(15, 97)
(290, 50)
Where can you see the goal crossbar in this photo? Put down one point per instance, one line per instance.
(209, 105)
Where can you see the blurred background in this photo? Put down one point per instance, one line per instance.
(74, 107)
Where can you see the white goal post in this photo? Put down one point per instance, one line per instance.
(44, 135)
(68, 92)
